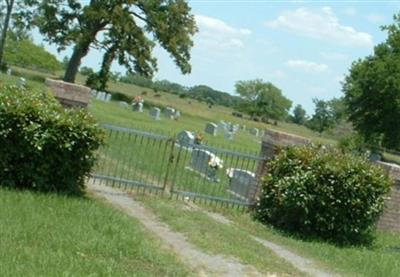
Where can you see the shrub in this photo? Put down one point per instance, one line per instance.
(118, 96)
(323, 193)
(43, 146)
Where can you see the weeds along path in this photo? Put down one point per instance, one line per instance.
(200, 263)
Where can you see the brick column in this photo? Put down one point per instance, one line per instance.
(272, 142)
(390, 219)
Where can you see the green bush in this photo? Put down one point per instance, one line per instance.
(43, 146)
(322, 193)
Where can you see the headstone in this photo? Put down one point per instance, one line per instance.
(222, 126)
(254, 132)
(123, 104)
(107, 98)
(169, 112)
(201, 162)
(101, 95)
(137, 107)
(243, 127)
(185, 138)
(155, 113)
(93, 92)
(9, 72)
(229, 135)
(177, 114)
(235, 128)
(21, 82)
(211, 129)
(242, 183)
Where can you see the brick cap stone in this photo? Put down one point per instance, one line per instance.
(279, 138)
(69, 94)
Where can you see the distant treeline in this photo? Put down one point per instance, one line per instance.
(201, 92)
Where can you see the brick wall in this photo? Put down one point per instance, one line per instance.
(69, 94)
(274, 140)
(390, 219)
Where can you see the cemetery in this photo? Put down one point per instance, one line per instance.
(125, 173)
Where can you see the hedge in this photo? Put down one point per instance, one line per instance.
(43, 146)
(323, 193)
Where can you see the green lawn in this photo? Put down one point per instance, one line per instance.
(50, 235)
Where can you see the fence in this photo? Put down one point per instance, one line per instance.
(155, 163)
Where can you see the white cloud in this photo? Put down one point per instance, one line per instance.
(334, 56)
(216, 34)
(376, 18)
(306, 66)
(320, 24)
(350, 11)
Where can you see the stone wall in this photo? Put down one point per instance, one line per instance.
(274, 140)
(69, 94)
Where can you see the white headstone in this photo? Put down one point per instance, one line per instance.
(9, 72)
(254, 131)
(107, 97)
(155, 113)
(185, 138)
(21, 82)
(93, 92)
(169, 112)
(229, 135)
(242, 183)
(177, 114)
(123, 104)
(201, 162)
(211, 128)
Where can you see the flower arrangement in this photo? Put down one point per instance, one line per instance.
(215, 162)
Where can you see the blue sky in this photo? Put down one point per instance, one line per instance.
(303, 47)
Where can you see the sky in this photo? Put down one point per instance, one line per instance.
(305, 48)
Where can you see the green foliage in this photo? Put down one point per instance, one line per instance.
(299, 115)
(372, 90)
(129, 30)
(86, 71)
(262, 99)
(26, 54)
(321, 192)
(117, 96)
(323, 118)
(44, 147)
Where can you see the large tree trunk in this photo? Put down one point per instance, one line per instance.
(10, 5)
(99, 80)
(80, 51)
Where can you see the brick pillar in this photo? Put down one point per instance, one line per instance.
(69, 94)
(272, 142)
(390, 219)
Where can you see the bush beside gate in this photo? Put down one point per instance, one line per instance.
(43, 146)
(321, 192)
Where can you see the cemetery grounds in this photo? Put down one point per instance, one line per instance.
(129, 245)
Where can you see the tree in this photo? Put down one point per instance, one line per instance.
(322, 118)
(86, 71)
(262, 99)
(127, 30)
(299, 115)
(6, 23)
(372, 91)
(338, 109)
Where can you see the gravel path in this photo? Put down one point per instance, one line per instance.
(200, 263)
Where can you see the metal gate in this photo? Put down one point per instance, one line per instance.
(145, 161)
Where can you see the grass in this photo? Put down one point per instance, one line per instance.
(50, 235)
(218, 239)
(379, 259)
